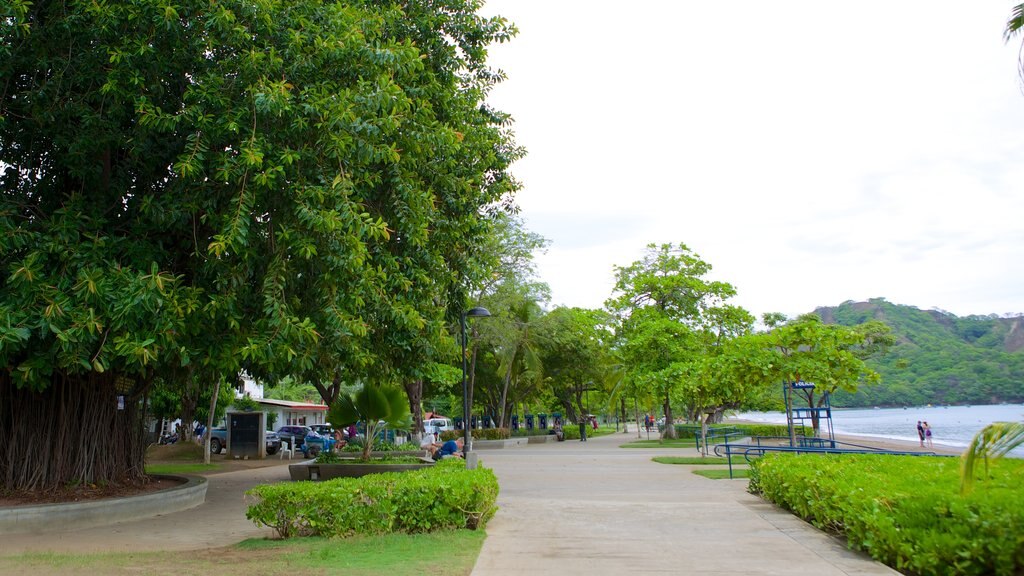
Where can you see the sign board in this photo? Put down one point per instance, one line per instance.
(802, 385)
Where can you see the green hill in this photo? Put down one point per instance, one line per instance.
(939, 358)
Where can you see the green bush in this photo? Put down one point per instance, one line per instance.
(485, 434)
(445, 496)
(693, 430)
(356, 445)
(771, 429)
(905, 511)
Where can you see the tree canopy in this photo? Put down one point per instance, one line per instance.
(669, 314)
(293, 187)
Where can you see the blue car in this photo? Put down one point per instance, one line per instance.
(305, 440)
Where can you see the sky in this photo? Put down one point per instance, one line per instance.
(812, 152)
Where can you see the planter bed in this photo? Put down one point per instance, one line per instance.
(498, 444)
(78, 515)
(316, 472)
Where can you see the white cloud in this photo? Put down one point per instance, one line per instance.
(813, 152)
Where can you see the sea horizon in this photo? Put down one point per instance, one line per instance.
(953, 426)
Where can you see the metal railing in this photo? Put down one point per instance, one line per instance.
(760, 446)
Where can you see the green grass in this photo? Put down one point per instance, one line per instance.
(680, 443)
(694, 460)
(723, 474)
(184, 468)
(395, 555)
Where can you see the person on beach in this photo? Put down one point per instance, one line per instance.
(920, 432)
(928, 434)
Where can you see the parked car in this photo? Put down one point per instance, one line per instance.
(297, 436)
(323, 429)
(219, 441)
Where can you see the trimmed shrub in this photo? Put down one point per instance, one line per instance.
(485, 434)
(905, 511)
(356, 445)
(443, 497)
(771, 429)
(693, 430)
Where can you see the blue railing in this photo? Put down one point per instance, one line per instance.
(759, 447)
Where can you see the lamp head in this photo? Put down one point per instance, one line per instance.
(477, 312)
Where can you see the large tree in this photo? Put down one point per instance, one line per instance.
(667, 309)
(829, 356)
(575, 351)
(286, 186)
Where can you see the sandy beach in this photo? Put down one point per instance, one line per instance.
(882, 443)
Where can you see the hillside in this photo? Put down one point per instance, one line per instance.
(939, 358)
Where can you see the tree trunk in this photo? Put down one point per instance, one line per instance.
(504, 398)
(329, 394)
(670, 421)
(80, 430)
(209, 421)
(414, 390)
(566, 402)
(815, 424)
(189, 401)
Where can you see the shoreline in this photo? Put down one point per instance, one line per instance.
(880, 442)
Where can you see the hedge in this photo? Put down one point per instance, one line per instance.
(483, 434)
(905, 511)
(693, 430)
(445, 496)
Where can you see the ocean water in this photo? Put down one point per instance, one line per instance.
(951, 425)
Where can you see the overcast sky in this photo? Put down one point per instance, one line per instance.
(812, 152)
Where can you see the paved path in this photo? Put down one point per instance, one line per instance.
(220, 521)
(593, 509)
(567, 508)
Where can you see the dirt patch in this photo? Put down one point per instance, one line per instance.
(179, 452)
(88, 493)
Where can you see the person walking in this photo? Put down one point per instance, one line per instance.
(928, 434)
(920, 432)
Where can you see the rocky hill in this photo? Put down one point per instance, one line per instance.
(939, 358)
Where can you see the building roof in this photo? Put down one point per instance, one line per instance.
(293, 405)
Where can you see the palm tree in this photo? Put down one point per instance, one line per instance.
(375, 406)
(518, 355)
(1015, 23)
(994, 441)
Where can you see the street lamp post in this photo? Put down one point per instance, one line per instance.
(467, 437)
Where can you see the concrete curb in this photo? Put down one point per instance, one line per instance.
(48, 518)
(499, 444)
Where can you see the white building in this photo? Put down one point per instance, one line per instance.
(293, 413)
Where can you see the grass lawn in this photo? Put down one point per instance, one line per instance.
(183, 468)
(679, 443)
(694, 460)
(719, 474)
(394, 555)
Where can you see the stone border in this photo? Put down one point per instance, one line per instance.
(498, 444)
(63, 517)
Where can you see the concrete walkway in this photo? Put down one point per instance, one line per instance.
(567, 508)
(593, 509)
(220, 521)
